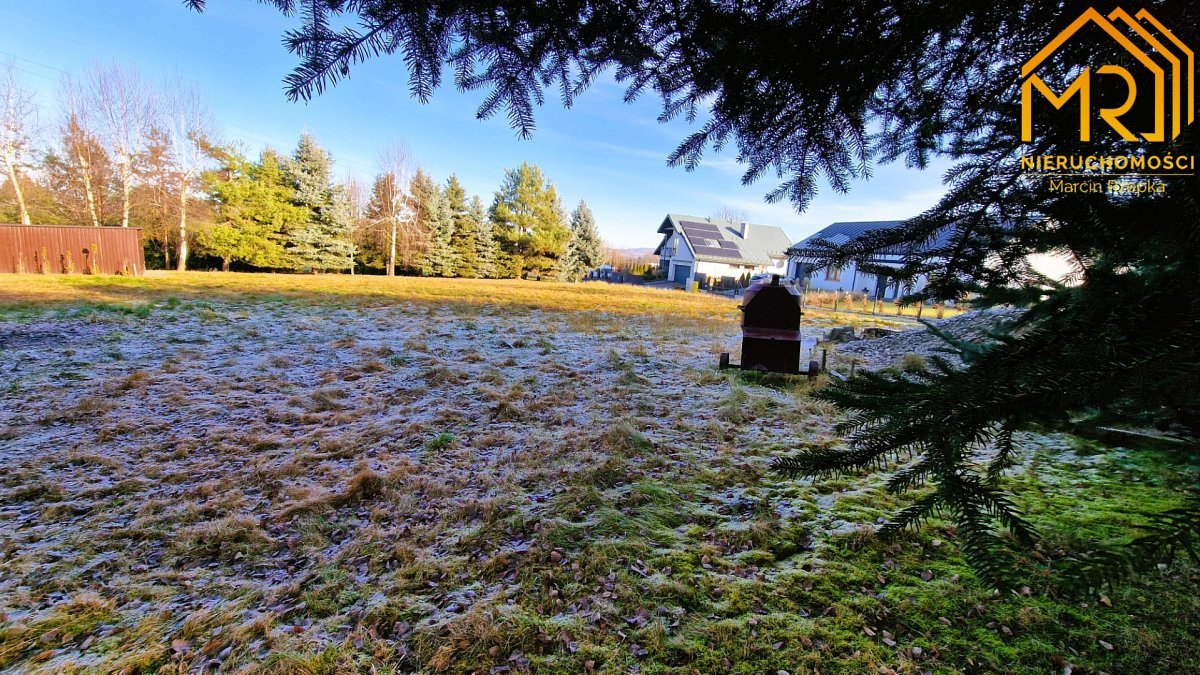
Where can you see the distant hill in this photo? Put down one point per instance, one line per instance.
(635, 260)
(633, 252)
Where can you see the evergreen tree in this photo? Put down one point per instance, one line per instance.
(569, 267)
(433, 217)
(253, 208)
(487, 250)
(464, 238)
(322, 242)
(82, 177)
(584, 250)
(529, 222)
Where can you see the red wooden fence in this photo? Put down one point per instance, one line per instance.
(69, 249)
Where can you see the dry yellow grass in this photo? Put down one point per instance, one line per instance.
(860, 304)
(41, 291)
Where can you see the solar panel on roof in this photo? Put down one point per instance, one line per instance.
(707, 232)
(717, 252)
(728, 244)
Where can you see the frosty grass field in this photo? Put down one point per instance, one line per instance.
(256, 473)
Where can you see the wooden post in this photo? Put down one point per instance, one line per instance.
(837, 295)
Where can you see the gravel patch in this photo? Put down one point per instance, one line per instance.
(885, 351)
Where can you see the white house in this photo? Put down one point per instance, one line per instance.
(695, 248)
(849, 278)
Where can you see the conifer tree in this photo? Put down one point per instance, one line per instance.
(323, 241)
(584, 250)
(464, 237)
(81, 175)
(486, 250)
(529, 222)
(253, 209)
(433, 218)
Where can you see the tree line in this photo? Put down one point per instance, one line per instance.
(125, 152)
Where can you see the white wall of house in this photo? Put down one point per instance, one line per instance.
(850, 280)
(675, 254)
(715, 270)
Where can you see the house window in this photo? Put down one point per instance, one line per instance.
(833, 274)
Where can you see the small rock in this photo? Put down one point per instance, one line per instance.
(842, 334)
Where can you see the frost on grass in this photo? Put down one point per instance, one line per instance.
(330, 487)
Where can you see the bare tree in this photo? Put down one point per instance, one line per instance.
(79, 143)
(18, 119)
(157, 181)
(356, 198)
(187, 122)
(121, 106)
(391, 205)
(730, 214)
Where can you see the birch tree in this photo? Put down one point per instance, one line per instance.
(188, 125)
(18, 119)
(80, 146)
(391, 205)
(356, 202)
(121, 106)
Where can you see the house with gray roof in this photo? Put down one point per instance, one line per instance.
(850, 278)
(709, 249)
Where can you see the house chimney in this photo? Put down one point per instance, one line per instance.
(741, 229)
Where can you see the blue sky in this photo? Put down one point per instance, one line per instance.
(602, 150)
